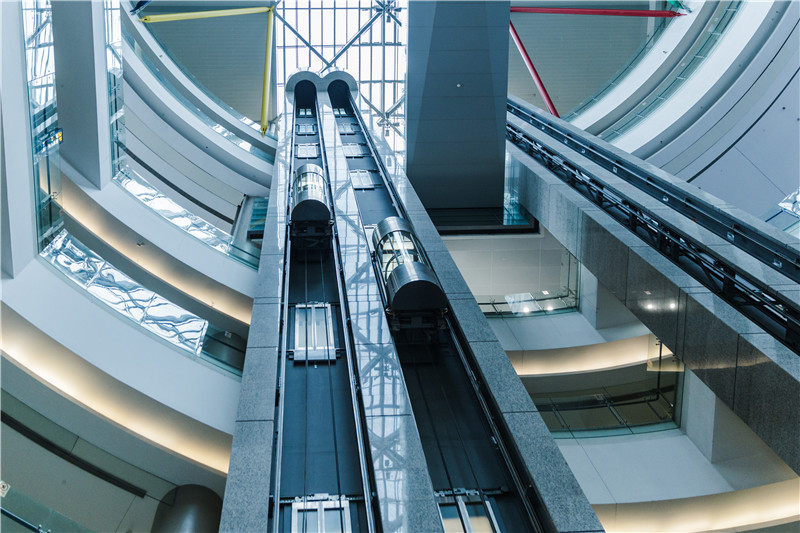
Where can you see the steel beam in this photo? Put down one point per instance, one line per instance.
(535, 75)
(265, 94)
(606, 12)
(170, 17)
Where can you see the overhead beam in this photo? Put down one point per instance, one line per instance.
(265, 94)
(535, 75)
(605, 12)
(171, 17)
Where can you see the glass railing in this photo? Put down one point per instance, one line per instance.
(21, 514)
(696, 56)
(142, 306)
(638, 56)
(192, 108)
(652, 404)
(543, 300)
(136, 185)
(207, 233)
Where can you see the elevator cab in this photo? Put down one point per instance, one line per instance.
(408, 279)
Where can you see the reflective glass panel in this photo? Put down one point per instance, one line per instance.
(308, 521)
(450, 519)
(334, 521)
(478, 518)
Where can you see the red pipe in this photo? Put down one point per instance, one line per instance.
(536, 79)
(609, 12)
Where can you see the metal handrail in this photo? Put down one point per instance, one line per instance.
(773, 311)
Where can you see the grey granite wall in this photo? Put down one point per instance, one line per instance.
(753, 374)
(567, 508)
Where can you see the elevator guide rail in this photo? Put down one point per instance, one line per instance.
(570, 157)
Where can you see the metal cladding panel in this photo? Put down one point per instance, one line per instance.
(310, 207)
(414, 287)
(463, 164)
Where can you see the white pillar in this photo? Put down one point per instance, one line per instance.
(18, 221)
(82, 87)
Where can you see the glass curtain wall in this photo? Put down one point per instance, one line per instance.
(45, 133)
(366, 38)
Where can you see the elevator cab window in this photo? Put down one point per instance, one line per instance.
(314, 338)
(395, 249)
(341, 112)
(321, 516)
(305, 112)
(309, 178)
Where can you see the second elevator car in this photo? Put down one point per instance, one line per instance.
(410, 282)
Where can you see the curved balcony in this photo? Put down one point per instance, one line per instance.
(153, 312)
(192, 91)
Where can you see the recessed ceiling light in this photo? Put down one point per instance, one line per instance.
(545, 292)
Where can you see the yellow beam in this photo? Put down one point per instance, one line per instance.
(267, 74)
(170, 17)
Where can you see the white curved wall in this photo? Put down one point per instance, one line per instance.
(224, 283)
(732, 127)
(189, 89)
(238, 167)
(121, 348)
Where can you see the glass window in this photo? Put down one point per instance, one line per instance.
(450, 519)
(307, 151)
(308, 521)
(355, 150)
(321, 516)
(314, 338)
(334, 521)
(478, 518)
(304, 112)
(362, 179)
(348, 128)
(306, 129)
(467, 513)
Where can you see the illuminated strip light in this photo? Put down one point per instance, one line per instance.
(741, 510)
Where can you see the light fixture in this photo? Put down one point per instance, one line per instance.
(649, 306)
(526, 310)
(545, 292)
(673, 305)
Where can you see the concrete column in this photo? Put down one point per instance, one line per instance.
(188, 509)
(455, 102)
(82, 87)
(247, 491)
(18, 221)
